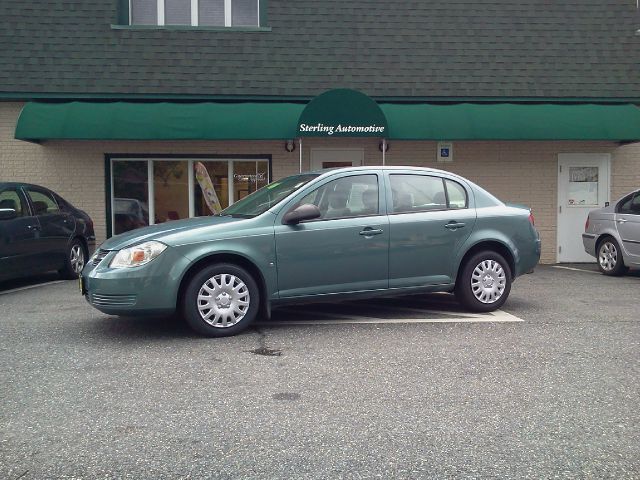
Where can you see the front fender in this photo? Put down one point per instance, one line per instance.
(259, 250)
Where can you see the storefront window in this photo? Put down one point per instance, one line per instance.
(211, 190)
(248, 177)
(179, 188)
(170, 190)
(130, 195)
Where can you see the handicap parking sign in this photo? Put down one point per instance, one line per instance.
(445, 152)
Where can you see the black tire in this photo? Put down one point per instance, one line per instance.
(471, 292)
(75, 260)
(228, 304)
(610, 261)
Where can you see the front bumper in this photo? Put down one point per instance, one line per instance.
(147, 290)
(589, 240)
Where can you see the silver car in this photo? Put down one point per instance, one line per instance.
(612, 235)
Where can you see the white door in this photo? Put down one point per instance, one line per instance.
(583, 185)
(336, 157)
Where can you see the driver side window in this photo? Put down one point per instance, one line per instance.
(353, 196)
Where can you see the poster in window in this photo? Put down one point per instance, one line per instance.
(583, 186)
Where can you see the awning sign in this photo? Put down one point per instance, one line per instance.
(342, 113)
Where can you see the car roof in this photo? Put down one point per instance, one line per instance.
(328, 171)
(381, 167)
(22, 184)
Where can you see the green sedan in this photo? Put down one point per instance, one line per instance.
(321, 236)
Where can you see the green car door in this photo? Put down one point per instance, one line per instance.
(344, 250)
(430, 219)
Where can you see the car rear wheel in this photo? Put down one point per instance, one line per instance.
(74, 261)
(484, 283)
(221, 300)
(610, 260)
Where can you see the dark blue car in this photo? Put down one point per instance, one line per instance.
(40, 232)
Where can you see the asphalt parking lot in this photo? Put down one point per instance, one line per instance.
(409, 387)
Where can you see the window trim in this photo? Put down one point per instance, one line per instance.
(124, 18)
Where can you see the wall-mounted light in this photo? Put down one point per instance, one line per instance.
(384, 145)
(290, 146)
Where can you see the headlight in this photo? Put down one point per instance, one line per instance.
(137, 255)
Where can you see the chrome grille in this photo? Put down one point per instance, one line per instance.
(99, 257)
(112, 300)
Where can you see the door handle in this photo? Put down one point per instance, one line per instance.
(454, 225)
(369, 232)
(33, 227)
(621, 220)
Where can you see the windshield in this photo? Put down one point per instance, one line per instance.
(262, 200)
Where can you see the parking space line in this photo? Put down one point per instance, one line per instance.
(498, 316)
(575, 269)
(31, 286)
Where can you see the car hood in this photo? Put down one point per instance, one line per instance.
(163, 231)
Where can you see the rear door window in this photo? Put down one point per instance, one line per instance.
(43, 203)
(417, 193)
(630, 205)
(456, 195)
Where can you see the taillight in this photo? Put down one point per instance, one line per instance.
(586, 224)
(531, 219)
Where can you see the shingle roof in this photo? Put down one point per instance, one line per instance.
(431, 48)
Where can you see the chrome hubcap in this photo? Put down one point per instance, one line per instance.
(77, 258)
(488, 281)
(608, 256)
(223, 300)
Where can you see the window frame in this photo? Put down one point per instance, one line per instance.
(195, 23)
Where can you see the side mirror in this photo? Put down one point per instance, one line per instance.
(301, 213)
(7, 214)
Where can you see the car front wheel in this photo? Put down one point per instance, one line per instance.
(484, 283)
(610, 258)
(221, 300)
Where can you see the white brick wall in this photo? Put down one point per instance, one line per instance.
(522, 172)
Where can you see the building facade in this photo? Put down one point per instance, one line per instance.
(129, 108)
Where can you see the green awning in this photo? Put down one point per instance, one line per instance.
(278, 121)
(342, 113)
(158, 121)
(511, 121)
